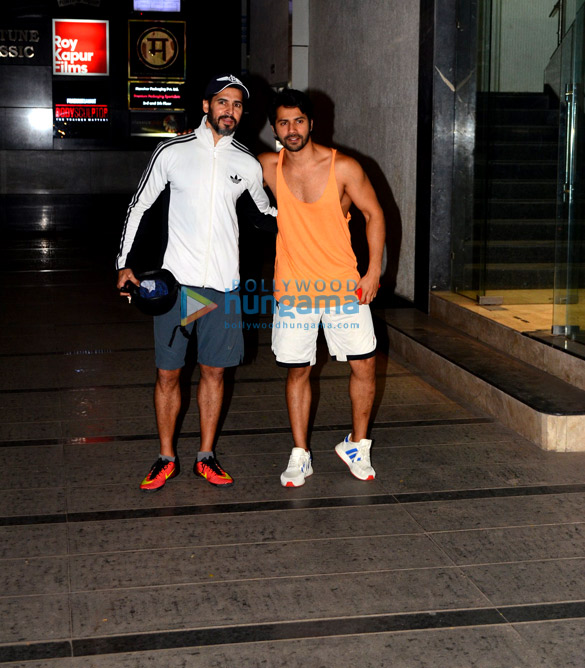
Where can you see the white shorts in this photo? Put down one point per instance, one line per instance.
(348, 335)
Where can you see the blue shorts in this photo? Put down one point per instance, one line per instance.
(220, 341)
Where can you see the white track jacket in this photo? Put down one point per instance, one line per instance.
(205, 183)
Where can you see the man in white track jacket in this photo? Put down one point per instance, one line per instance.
(207, 171)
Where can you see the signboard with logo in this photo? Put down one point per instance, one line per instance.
(156, 49)
(81, 117)
(152, 95)
(157, 5)
(80, 47)
(81, 109)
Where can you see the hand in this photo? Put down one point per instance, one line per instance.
(125, 275)
(367, 289)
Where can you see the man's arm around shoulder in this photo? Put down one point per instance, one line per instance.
(269, 162)
(253, 205)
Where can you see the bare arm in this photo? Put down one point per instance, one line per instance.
(359, 189)
(269, 162)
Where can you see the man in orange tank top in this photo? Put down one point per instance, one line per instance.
(317, 285)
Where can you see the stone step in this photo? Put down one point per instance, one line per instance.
(520, 150)
(516, 209)
(514, 252)
(516, 101)
(545, 133)
(515, 169)
(541, 407)
(516, 189)
(525, 229)
(518, 116)
(513, 276)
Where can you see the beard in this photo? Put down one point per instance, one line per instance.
(295, 147)
(222, 132)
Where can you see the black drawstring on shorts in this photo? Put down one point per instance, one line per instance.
(184, 331)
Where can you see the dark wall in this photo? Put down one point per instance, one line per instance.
(446, 138)
(213, 45)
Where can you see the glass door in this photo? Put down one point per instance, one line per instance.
(504, 245)
(569, 280)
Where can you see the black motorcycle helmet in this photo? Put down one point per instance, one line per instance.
(157, 292)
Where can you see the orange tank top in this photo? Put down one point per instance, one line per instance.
(315, 263)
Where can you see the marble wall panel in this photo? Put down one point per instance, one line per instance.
(363, 66)
(32, 90)
(68, 172)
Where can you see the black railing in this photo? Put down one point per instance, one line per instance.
(560, 9)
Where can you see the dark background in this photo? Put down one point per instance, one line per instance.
(213, 45)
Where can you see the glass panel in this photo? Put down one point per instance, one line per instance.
(469, 212)
(467, 269)
(569, 295)
(504, 249)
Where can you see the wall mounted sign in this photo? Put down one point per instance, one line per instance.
(156, 124)
(81, 107)
(156, 49)
(81, 117)
(24, 43)
(152, 95)
(82, 110)
(80, 47)
(157, 5)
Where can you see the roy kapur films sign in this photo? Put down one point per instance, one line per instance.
(80, 47)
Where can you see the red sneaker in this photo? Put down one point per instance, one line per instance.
(210, 469)
(158, 475)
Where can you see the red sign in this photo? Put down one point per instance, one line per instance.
(81, 112)
(80, 47)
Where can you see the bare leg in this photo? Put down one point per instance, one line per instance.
(209, 399)
(167, 403)
(298, 400)
(362, 388)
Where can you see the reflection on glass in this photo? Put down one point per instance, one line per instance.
(521, 241)
(40, 119)
(569, 313)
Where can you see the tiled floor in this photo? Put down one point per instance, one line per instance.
(467, 550)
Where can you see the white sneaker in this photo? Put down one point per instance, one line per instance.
(299, 467)
(357, 457)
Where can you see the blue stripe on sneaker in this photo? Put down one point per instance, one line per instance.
(351, 453)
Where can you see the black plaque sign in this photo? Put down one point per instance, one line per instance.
(156, 96)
